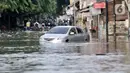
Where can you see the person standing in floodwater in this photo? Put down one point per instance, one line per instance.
(28, 25)
(43, 25)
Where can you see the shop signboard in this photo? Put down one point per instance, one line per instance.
(95, 11)
(120, 8)
(100, 5)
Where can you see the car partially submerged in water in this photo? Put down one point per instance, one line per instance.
(65, 34)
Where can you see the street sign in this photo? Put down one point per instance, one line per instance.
(120, 9)
(100, 5)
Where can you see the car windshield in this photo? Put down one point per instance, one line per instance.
(58, 30)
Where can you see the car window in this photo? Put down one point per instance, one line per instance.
(72, 30)
(79, 30)
(58, 30)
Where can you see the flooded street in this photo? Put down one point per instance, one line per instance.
(26, 56)
(62, 63)
(64, 36)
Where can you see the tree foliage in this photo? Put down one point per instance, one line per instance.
(28, 6)
(61, 4)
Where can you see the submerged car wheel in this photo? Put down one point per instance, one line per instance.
(88, 39)
(67, 40)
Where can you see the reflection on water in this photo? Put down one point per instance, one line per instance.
(83, 48)
(58, 48)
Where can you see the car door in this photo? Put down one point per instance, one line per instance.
(80, 34)
(72, 35)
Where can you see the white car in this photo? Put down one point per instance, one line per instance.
(66, 34)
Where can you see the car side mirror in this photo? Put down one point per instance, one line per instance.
(72, 33)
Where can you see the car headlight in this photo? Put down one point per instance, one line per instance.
(57, 40)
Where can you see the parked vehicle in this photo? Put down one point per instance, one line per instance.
(66, 34)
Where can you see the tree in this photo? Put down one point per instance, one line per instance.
(61, 4)
(28, 5)
(13, 9)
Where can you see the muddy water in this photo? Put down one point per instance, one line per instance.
(28, 42)
(25, 55)
(15, 42)
(82, 48)
(62, 63)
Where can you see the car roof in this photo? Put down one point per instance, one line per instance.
(66, 26)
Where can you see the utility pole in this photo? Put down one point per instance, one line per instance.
(129, 26)
(107, 19)
(128, 49)
(128, 29)
(128, 3)
(129, 23)
(74, 13)
(114, 16)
